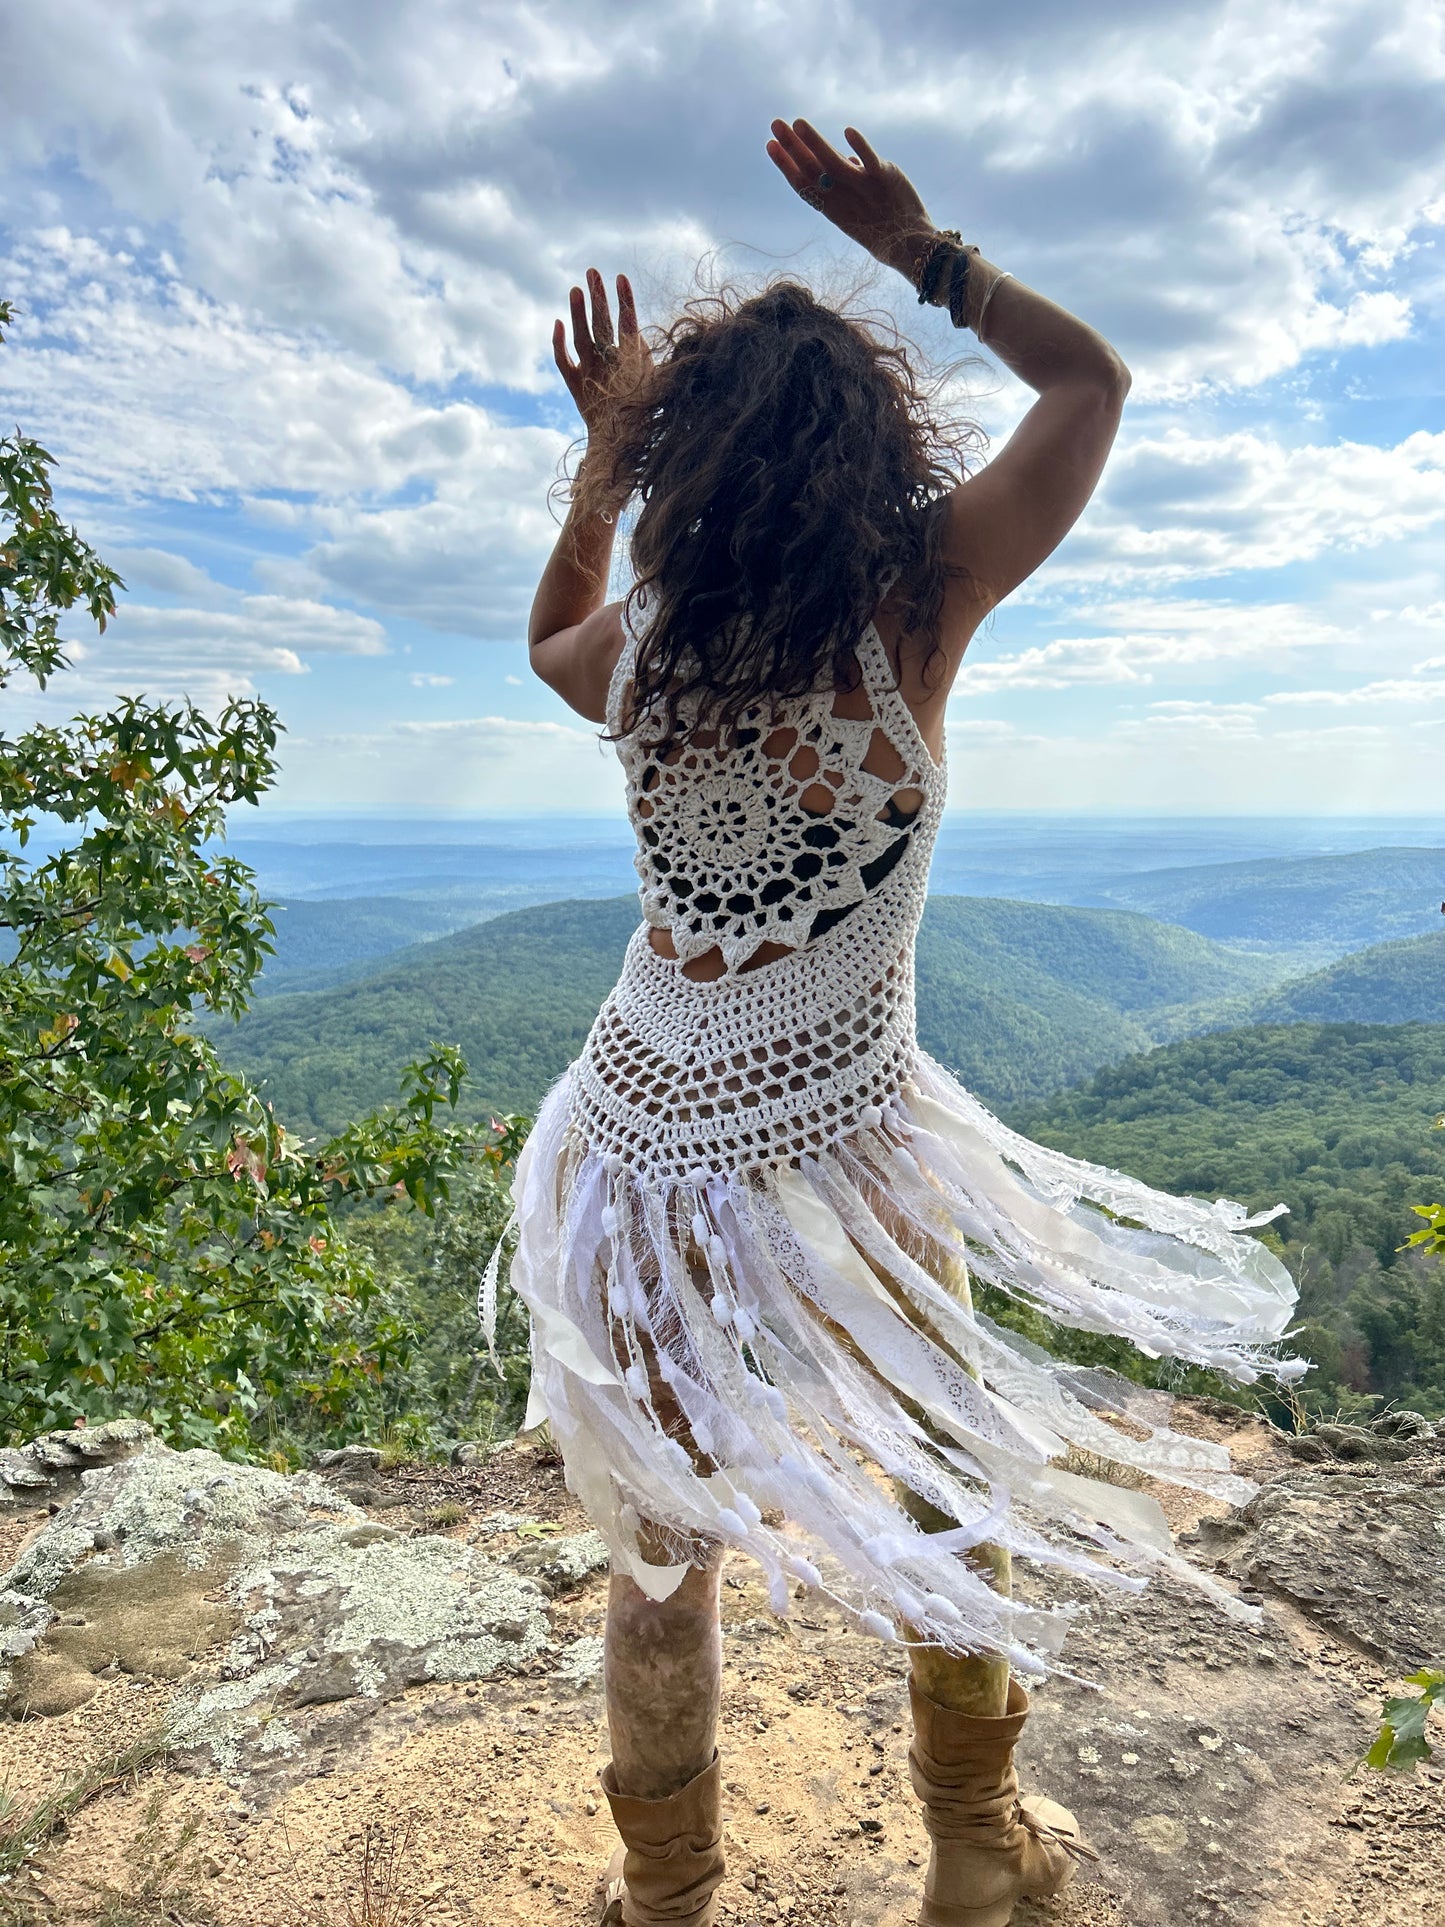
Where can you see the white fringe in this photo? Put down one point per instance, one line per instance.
(758, 1294)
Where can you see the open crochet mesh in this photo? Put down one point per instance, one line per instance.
(749, 1214)
(806, 831)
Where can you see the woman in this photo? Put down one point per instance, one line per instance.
(749, 1212)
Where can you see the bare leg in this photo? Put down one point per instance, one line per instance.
(977, 1685)
(663, 1674)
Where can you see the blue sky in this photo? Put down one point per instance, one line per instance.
(287, 275)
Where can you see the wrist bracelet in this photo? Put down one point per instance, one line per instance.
(930, 269)
(958, 286)
(988, 295)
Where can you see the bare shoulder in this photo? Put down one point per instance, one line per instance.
(927, 667)
(578, 662)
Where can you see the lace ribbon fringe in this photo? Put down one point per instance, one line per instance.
(758, 1298)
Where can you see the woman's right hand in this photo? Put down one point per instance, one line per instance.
(606, 366)
(872, 201)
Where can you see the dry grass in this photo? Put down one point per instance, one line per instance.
(451, 1512)
(23, 1830)
(166, 1876)
(164, 1880)
(379, 1896)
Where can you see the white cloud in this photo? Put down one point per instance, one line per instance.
(289, 281)
(147, 387)
(1154, 636)
(1397, 690)
(1057, 665)
(424, 680)
(1204, 758)
(207, 653)
(1181, 506)
(1194, 719)
(412, 182)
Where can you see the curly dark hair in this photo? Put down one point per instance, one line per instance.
(789, 465)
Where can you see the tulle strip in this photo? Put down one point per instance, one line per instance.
(812, 1327)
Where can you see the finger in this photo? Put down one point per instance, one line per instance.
(802, 158)
(626, 308)
(601, 312)
(565, 366)
(865, 153)
(789, 169)
(581, 335)
(829, 159)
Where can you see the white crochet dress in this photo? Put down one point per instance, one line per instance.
(756, 1199)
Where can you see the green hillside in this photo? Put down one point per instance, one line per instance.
(325, 940)
(1017, 997)
(517, 993)
(1335, 1121)
(1021, 998)
(1391, 983)
(1366, 897)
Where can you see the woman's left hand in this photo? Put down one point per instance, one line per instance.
(607, 365)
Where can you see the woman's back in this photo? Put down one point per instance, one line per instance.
(768, 998)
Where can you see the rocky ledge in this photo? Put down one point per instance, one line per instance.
(411, 1655)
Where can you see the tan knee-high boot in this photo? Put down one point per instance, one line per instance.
(990, 1848)
(670, 1864)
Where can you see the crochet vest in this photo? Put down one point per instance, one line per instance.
(680, 1078)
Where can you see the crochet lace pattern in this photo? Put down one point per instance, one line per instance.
(807, 830)
(749, 1214)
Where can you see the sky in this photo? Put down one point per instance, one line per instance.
(286, 275)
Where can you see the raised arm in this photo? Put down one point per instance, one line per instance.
(1004, 521)
(574, 636)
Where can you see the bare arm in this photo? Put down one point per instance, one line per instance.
(574, 636)
(1004, 521)
(1008, 518)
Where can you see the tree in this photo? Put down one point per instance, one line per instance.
(166, 1246)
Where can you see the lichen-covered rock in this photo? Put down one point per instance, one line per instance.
(292, 1597)
(354, 1460)
(1358, 1442)
(1403, 1424)
(149, 1621)
(561, 1565)
(157, 1500)
(54, 1462)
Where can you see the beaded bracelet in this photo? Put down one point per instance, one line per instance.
(958, 286)
(930, 269)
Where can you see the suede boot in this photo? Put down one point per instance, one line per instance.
(990, 1848)
(670, 1863)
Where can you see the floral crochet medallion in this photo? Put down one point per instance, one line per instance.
(748, 1216)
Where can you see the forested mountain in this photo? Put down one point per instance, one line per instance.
(1334, 1120)
(1017, 997)
(1366, 897)
(517, 993)
(1390, 983)
(324, 940)
(1314, 908)
(1021, 998)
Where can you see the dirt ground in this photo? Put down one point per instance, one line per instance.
(478, 1805)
